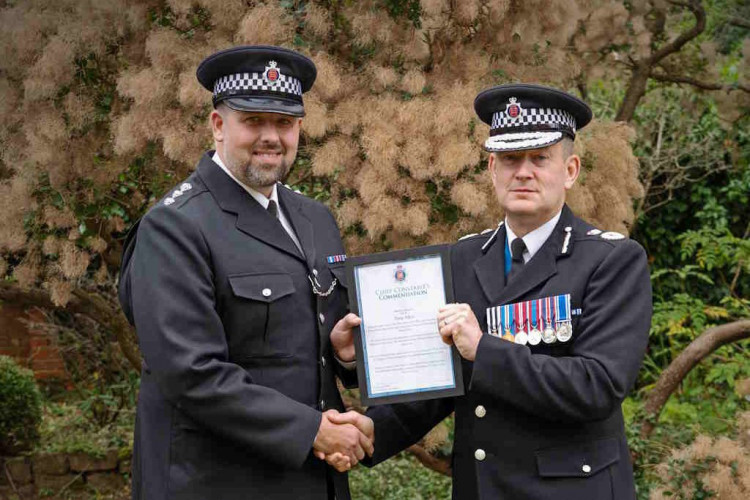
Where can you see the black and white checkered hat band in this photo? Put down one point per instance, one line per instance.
(256, 83)
(531, 117)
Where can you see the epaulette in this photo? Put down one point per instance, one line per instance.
(471, 235)
(179, 194)
(290, 188)
(492, 237)
(606, 235)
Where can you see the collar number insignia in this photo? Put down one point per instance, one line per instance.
(272, 75)
(513, 109)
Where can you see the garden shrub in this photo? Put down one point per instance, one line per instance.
(20, 408)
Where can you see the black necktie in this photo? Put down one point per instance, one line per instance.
(273, 209)
(517, 247)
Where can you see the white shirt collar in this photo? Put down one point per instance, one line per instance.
(259, 197)
(534, 239)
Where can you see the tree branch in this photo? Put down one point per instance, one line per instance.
(441, 465)
(739, 22)
(696, 7)
(694, 353)
(663, 77)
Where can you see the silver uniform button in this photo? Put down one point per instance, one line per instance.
(315, 272)
(480, 454)
(322, 318)
(266, 292)
(323, 361)
(586, 468)
(322, 405)
(480, 411)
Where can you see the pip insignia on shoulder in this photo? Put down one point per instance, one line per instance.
(593, 232)
(612, 235)
(184, 188)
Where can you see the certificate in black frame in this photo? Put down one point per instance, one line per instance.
(396, 257)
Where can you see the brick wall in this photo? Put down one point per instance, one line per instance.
(31, 347)
(65, 475)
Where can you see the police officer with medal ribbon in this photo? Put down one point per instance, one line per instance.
(234, 284)
(552, 324)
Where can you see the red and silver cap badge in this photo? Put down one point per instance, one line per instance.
(513, 109)
(272, 74)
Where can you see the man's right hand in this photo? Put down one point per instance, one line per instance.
(343, 440)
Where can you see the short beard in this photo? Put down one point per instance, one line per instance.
(255, 176)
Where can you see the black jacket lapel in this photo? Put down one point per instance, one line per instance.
(490, 267)
(251, 217)
(303, 227)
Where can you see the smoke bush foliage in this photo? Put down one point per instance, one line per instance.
(102, 114)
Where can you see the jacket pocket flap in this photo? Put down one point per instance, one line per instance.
(579, 460)
(340, 273)
(262, 287)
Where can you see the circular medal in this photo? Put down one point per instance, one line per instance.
(508, 335)
(521, 337)
(548, 334)
(535, 336)
(564, 332)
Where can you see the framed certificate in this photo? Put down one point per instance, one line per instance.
(400, 354)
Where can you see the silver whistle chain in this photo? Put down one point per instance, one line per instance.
(316, 286)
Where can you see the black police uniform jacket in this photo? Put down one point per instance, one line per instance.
(542, 422)
(238, 361)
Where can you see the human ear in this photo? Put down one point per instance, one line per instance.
(217, 126)
(491, 167)
(572, 169)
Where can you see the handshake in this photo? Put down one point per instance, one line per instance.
(343, 439)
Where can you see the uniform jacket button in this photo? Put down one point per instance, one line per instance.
(322, 404)
(586, 468)
(480, 411)
(480, 454)
(315, 272)
(322, 318)
(323, 361)
(266, 292)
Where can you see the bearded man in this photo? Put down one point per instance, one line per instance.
(234, 283)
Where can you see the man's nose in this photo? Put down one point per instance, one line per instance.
(269, 133)
(524, 170)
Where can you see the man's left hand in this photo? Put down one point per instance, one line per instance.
(459, 326)
(342, 337)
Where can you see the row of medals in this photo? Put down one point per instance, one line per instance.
(548, 334)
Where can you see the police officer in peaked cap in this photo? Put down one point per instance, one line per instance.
(233, 283)
(552, 323)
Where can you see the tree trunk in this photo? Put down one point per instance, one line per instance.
(635, 91)
(670, 379)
